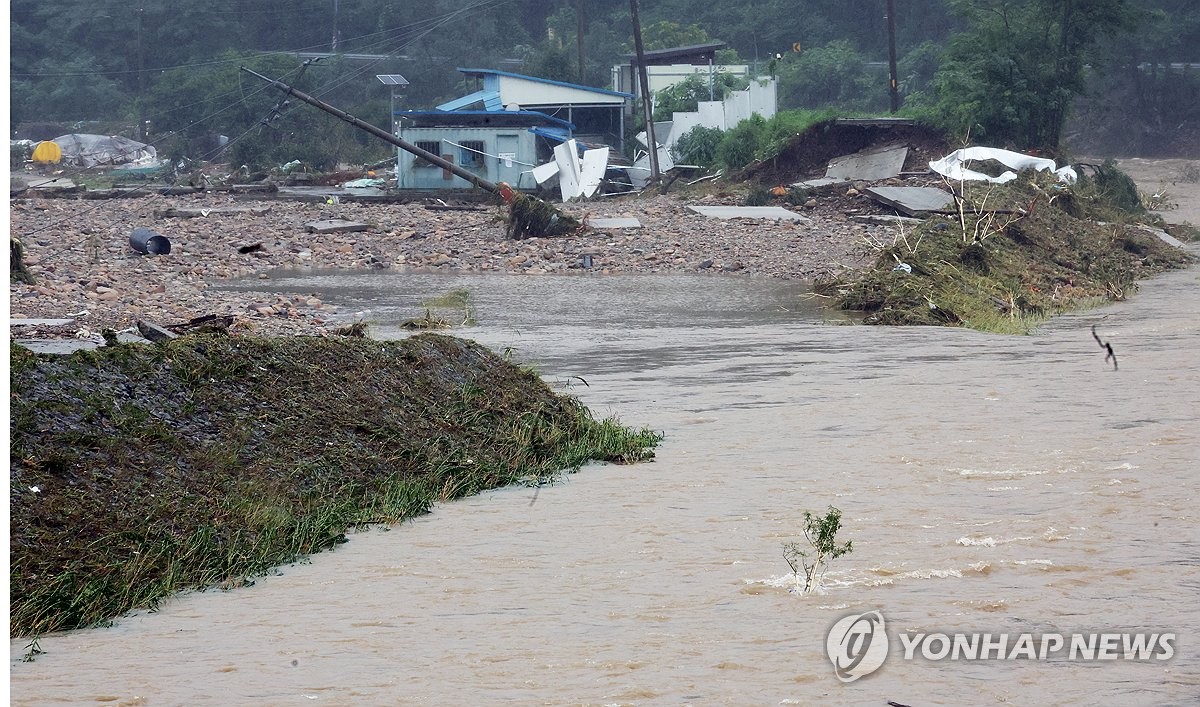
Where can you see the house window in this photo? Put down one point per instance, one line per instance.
(429, 146)
(472, 154)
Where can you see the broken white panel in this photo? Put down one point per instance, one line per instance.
(567, 157)
(952, 165)
(591, 172)
(545, 172)
(639, 173)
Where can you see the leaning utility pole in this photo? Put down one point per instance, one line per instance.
(893, 90)
(528, 216)
(382, 134)
(652, 144)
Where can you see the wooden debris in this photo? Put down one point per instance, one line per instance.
(206, 323)
(885, 220)
(357, 330)
(153, 332)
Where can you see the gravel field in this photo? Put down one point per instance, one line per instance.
(79, 253)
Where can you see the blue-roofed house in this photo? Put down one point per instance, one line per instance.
(505, 128)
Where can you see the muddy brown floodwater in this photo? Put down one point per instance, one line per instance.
(990, 484)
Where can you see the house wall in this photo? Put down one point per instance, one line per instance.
(533, 94)
(510, 154)
(660, 77)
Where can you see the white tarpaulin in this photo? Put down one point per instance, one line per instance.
(952, 165)
(91, 150)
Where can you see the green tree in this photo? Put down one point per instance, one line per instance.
(698, 146)
(741, 145)
(686, 95)
(835, 75)
(1012, 76)
(666, 35)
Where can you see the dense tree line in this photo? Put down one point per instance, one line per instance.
(1004, 71)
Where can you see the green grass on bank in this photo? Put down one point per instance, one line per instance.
(139, 471)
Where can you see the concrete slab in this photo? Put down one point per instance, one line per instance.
(824, 185)
(57, 346)
(18, 321)
(775, 213)
(620, 222)
(869, 165)
(52, 183)
(1163, 236)
(336, 225)
(913, 201)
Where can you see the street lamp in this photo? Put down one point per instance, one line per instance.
(397, 82)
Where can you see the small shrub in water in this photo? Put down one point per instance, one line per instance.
(821, 534)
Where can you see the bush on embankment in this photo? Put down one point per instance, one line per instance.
(138, 471)
(1012, 255)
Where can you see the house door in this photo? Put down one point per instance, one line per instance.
(508, 168)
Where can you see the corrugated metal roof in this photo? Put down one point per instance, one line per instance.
(449, 116)
(535, 79)
(674, 52)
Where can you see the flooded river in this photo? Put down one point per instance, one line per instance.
(989, 484)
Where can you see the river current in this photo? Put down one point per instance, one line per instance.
(990, 484)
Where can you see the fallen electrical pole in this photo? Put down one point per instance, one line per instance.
(528, 215)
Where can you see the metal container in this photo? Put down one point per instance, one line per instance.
(143, 240)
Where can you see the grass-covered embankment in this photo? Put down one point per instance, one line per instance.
(1013, 255)
(138, 471)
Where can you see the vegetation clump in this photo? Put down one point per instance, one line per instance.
(138, 471)
(821, 534)
(530, 217)
(1012, 255)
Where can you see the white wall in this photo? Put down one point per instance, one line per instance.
(723, 115)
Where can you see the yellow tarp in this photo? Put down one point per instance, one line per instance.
(47, 152)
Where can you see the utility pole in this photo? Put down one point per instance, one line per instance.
(579, 35)
(893, 89)
(141, 75)
(645, 85)
(333, 43)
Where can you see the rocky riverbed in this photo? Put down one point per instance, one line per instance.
(79, 254)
